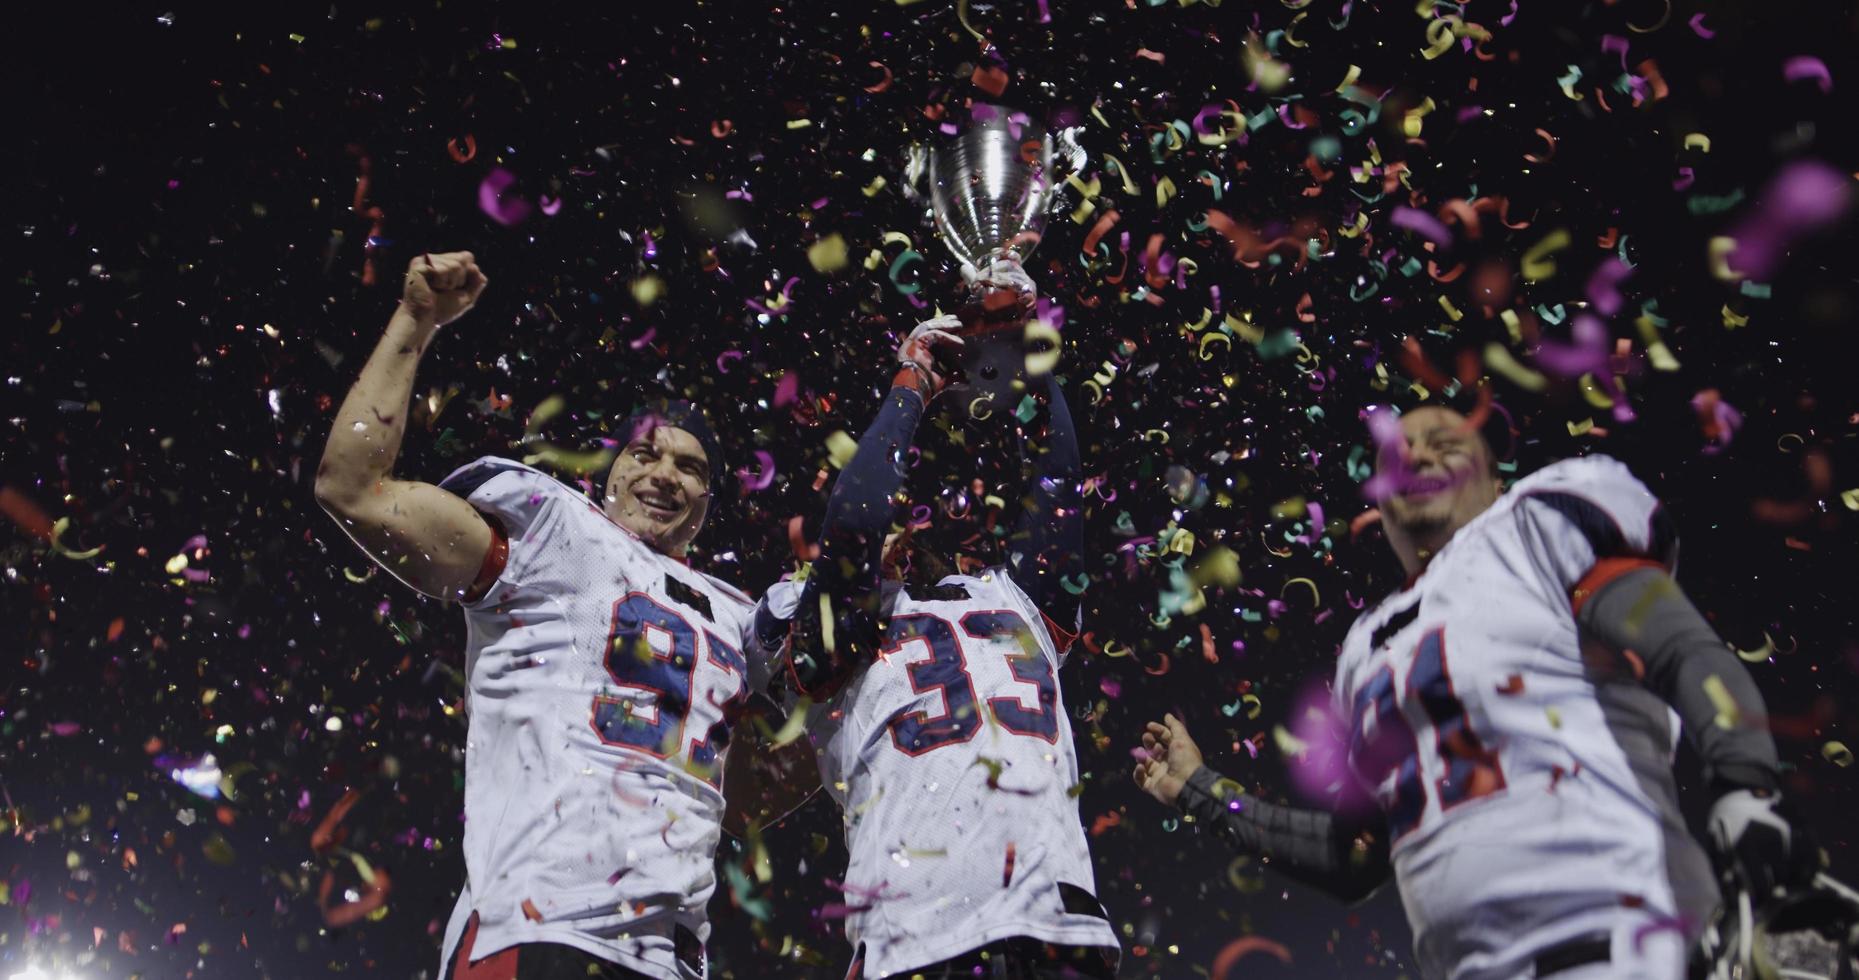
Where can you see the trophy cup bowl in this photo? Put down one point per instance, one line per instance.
(989, 187)
(990, 190)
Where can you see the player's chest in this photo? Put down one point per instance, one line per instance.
(1429, 643)
(1471, 623)
(948, 670)
(648, 623)
(1436, 682)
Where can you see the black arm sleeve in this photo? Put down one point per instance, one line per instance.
(836, 627)
(1348, 859)
(1645, 612)
(1047, 546)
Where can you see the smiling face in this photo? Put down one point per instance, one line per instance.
(1447, 478)
(659, 488)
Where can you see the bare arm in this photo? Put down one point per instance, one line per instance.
(426, 537)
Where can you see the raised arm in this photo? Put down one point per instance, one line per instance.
(426, 537)
(1346, 857)
(1047, 546)
(836, 626)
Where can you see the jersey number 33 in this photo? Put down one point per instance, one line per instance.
(946, 670)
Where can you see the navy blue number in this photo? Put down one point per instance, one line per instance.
(634, 663)
(1029, 667)
(1381, 744)
(1471, 769)
(704, 750)
(917, 732)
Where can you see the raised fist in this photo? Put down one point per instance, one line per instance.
(443, 286)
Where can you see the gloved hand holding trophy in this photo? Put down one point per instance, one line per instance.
(990, 189)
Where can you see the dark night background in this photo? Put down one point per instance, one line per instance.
(190, 262)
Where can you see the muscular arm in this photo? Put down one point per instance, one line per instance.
(1677, 655)
(428, 538)
(1348, 858)
(1048, 544)
(836, 627)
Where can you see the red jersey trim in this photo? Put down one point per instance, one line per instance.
(495, 558)
(497, 966)
(1061, 638)
(1604, 571)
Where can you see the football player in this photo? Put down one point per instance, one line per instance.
(1511, 710)
(601, 670)
(935, 711)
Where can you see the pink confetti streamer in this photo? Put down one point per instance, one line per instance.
(1602, 285)
(1801, 199)
(1803, 66)
(1423, 224)
(506, 212)
(760, 477)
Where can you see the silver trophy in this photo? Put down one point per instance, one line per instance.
(990, 190)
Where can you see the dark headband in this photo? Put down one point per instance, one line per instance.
(680, 414)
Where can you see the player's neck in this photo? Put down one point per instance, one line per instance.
(1416, 547)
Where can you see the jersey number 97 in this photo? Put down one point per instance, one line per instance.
(653, 648)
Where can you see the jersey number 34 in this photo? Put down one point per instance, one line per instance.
(1382, 743)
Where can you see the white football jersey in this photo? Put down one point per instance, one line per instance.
(952, 761)
(602, 677)
(1528, 790)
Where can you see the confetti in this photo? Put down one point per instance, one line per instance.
(1628, 219)
(1245, 946)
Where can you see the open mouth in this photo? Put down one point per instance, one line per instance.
(1422, 485)
(658, 506)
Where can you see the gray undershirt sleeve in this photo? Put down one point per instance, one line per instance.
(1690, 668)
(1347, 860)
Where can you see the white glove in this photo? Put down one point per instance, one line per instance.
(1002, 272)
(1758, 844)
(918, 353)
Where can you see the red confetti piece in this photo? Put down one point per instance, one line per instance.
(329, 833)
(990, 79)
(373, 896)
(22, 511)
(1243, 947)
(882, 84)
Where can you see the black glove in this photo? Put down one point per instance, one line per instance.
(1755, 843)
